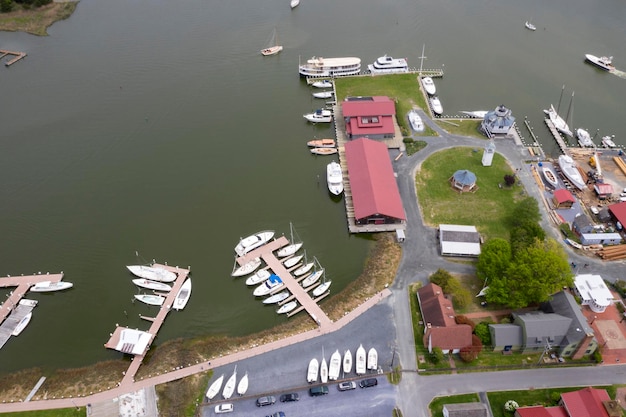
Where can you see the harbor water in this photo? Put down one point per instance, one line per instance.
(158, 127)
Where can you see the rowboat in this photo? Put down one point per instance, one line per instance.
(183, 295)
(347, 362)
(335, 366)
(229, 388)
(313, 278)
(290, 306)
(550, 176)
(321, 143)
(321, 289)
(248, 268)
(153, 273)
(372, 359)
(277, 298)
(323, 94)
(242, 387)
(215, 387)
(152, 285)
(323, 151)
(360, 360)
(258, 277)
(311, 375)
(150, 299)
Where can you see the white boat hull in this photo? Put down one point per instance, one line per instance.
(603, 62)
(319, 116)
(260, 276)
(321, 289)
(183, 295)
(272, 50)
(22, 324)
(323, 94)
(312, 371)
(569, 169)
(584, 138)
(248, 268)
(242, 387)
(253, 242)
(321, 143)
(334, 178)
(335, 366)
(303, 269)
(229, 388)
(416, 121)
(152, 273)
(429, 86)
(291, 262)
(268, 286)
(372, 359)
(277, 298)
(360, 360)
(558, 122)
(289, 250)
(324, 371)
(47, 286)
(608, 142)
(550, 176)
(152, 285)
(347, 362)
(324, 151)
(287, 308)
(308, 281)
(150, 299)
(215, 387)
(322, 84)
(435, 104)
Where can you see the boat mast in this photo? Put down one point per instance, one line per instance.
(422, 58)
(570, 112)
(558, 107)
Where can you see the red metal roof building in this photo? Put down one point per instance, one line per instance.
(587, 402)
(375, 193)
(562, 198)
(371, 117)
(603, 190)
(619, 212)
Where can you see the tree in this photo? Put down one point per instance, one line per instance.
(6, 6)
(482, 331)
(494, 259)
(441, 277)
(437, 356)
(509, 180)
(525, 211)
(524, 235)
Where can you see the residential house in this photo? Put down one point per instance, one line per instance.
(371, 117)
(587, 402)
(466, 410)
(593, 292)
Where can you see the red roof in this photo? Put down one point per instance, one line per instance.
(540, 411)
(586, 402)
(454, 337)
(562, 195)
(369, 116)
(603, 188)
(374, 188)
(619, 211)
(436, 309)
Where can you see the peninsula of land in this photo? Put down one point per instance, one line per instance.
(36, 21)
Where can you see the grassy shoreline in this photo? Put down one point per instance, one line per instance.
(36, 21)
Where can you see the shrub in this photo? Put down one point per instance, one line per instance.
(482, 331)
(511, 405)
(437, 356)
(597, 356)
(461, 319)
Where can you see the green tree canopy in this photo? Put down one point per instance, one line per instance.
(494, 259)
(525, 211)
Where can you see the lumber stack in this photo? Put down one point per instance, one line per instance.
(620, 163)
(612, 253)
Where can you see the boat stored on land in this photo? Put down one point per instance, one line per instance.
(242, 387)
(254, 241)
(323, 370)
(152, 285)
(323, 151)
(49, 286)
(335, 366)
(429, 86)
(550, 176)
(584, 139)
(330, 67)
(334, 178)
(183, 295)
(603, 62)
(229, 388)
(312, 371)
(372, 359)
(22, 324)
(277, 298)
(416, 121)
(347, 362)
(247, 268)
(153, 273)
(319, 116)
(360, 360)
(321, 143)
(290, 306)
(215, 387)
(258, 277)
(388, 65)
(570, 170)
(150, 299)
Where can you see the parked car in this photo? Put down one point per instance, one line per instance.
(263, 401)
(316, 391)
(369, 382)
(346, 386)
(594, 210)
(277, 414)
(223, 408)
(289, 397)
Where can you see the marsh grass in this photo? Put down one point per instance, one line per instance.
(35, 21)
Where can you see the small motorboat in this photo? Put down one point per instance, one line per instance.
(313, 278)
(321, 143)
(312, 371)
(323, 94)
(429, 86)
(258, 277)
(293, 261)
(153, 273)
(324, 370)
(289, 250)
(247, 268)
(334, 178)
(49, 286)
(277, 298)
(319, 116)
(242, 387)
(321, 289)
(603, 62)
(273, 283)
(372, 359)
(183, 295)
(436, 106)
(229, 388)
(335, 366)
(607, 141)
(150, 299)
(303, 269)
(584, 138)
(254, 241)
(294, 3)
(360, 360)
(416, 121)
(323, 151)
(347, 362)
(215, 387)
(323, 84)
(22, 324)
(550, 176)
(152, 285)
(290, 306)
(530, 26)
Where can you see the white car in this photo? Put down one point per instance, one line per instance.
(223, 408)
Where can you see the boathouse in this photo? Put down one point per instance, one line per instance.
(497, 123)
(563, 199)
(371, 117)
(618, 212)
(375, 193)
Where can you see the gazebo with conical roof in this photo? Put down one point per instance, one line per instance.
(463, 181)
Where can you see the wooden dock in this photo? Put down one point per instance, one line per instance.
(17, 56)
(23, 284)
(557, 136)
(10, 324)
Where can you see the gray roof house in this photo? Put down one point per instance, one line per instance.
(498, 122)
(582, 224)
(506, 337)
(541, 330)
(465, 410)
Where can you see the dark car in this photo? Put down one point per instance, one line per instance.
(369, 382)
(289, 397)
(263, 401)
(316, 391)
(277, 414)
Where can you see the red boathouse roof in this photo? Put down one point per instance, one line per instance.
(369, 116)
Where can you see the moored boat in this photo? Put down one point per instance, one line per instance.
(319, 116)
(273, 282)
(530, 26)
(607, 141)
(570, 170)
(435, 104)
(429, 86)
(323, 151)
(294, 3)
(330, 67)
(321, 289)
(335, 366)
(322, 84)
(347, 362)
(293, 261)
(416, 121)
(388, 65)
(584, 138)
(312, 371)
(286, 308)
(372, 359)
(476, 114)
(277, 298)
(258, 277)
(303, 269)
(550, 176)
(254, 241)
(323, 94)
(247, 268)
(150, 299)
(242, 387)
(334, 178)
(215, 387)
(313, 278)
(559, 123)
(152, 285)
(321, 143)
(289, 250)
(603, 62)
(360, 360)
(49, 286)
(22, 324)
(153, 273)
(183, 295)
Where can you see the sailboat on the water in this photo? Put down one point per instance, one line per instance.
(274, 47)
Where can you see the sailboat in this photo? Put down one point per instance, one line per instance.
(530, 26)
(324, 369)
(242, 387)
(347, 362)
(294, 3)
(229, 388)
(335, 366)
(274, 48)
(215, 387)
(293, 247)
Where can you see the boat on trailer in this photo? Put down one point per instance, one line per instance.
(347, 362)
(312, 371)
(335, 366)
(372, 359)
(360, 360)
(215, 387)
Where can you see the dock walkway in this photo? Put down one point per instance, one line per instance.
(557, 136)
(17, 56)
(23, 284)
(10, 324)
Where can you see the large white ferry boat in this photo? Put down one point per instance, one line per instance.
(388, 65)
(330, 67)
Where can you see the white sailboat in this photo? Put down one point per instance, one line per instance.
(273, 47)
(49, 286)
(360, 360)
(323, 370)
(311, 375)
(150, 299)
(313, 278)
(22, 324)
(277, 298)
(294, 245)
(248, 268)
(242, 387)
(286, 308)
(258, 277)
(304, 268)
(372, 359)
(215, 387)
(153, 273)
(321, 289)
(152, 285)
(335, 366)
(347, 362)
(293, 261)
(229, 388)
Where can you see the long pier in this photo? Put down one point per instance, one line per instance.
(557, 136)
(17, 56)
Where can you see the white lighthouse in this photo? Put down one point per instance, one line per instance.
(490, 149)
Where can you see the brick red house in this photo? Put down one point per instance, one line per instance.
(587, 402)
(371, 117)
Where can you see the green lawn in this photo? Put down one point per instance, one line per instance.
(62, 412)
(463, 127)
(436, 405)
(487, 208)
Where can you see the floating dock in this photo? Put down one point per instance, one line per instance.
(557, 136)
(17, 56)
(7, 328)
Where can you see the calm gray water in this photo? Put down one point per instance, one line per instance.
(157, 127)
